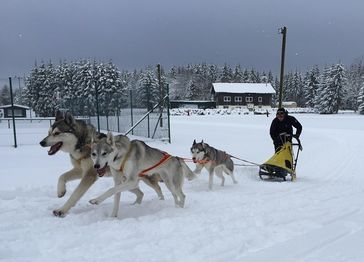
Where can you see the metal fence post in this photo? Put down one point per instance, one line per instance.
(148, 108)
(131, 110)
(169, 115)
(118, 120)
(12, 111)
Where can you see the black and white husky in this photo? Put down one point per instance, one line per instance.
(132, 160)
(74, 137)
(215, 161)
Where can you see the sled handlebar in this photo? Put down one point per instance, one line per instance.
(286, 136)
(298, 143)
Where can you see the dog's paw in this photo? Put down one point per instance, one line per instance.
(138, 201)
(114, 214)
(61, 193)
(59, 213)
(94, 201)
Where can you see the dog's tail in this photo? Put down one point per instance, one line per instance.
(187, 172)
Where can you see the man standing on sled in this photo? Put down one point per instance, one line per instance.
(283, 123)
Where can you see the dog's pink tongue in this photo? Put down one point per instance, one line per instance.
(54, 148)
(101, 172)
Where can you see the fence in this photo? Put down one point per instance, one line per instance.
(153, 123)
(134, 115)
(29, 131)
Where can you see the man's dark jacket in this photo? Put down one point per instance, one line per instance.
(277, 127)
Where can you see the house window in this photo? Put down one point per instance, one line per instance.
(227, 98)
(260, 99)
(249, 99)
(238, 99)
(17, 112)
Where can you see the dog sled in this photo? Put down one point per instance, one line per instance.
(283, 162)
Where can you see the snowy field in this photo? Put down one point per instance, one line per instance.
(318, 218)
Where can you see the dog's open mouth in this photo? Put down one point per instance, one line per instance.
(194, 160)
(54, 149)
(101, 171)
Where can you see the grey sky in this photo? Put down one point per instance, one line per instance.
(135, 33)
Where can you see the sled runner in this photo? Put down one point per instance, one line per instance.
(282, 163)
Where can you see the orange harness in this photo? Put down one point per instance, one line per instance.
(164, 159)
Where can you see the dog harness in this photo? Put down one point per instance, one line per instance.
(164, 159)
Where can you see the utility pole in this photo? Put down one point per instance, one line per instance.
(282, 31)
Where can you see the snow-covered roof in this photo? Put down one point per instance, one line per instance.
(15, 105)
(192, 101)
(243, 88)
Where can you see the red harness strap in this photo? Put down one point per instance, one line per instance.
(165, 158)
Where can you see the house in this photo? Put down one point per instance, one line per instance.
(238, 95)
(192, 104)
(19, 111)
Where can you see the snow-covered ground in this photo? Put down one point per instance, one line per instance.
(318, 218)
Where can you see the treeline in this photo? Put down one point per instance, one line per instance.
(72, 86)
(327, 90)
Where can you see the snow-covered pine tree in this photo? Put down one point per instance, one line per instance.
(67, 89)
(212, 73)
(238, 74)
(148, 89)
(254, 76)
(226, 74)
(311, 85)
(270, 78)
(331, 91)
(41, 86)
(246, 76)
(288, 88)
(355, 76)
(298, 95)
(361, 99)
(192, 90)
(5, 95)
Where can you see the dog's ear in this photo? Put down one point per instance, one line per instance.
(194, 142)
(69, 119)
(203, 144)
(110, 138)
(59, 115)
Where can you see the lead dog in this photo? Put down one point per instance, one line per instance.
(215, 161)
(129, 161)
(74, 137)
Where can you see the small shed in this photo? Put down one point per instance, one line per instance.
(19, 111)
(250, 95)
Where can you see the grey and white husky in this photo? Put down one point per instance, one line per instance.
(132, 160)
(214, 160)
(74, 137)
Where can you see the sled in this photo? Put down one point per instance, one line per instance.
(283, 162)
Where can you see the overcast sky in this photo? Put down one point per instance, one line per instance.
(135, 33)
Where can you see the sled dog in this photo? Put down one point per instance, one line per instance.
(74, 137)
(132, 160)
(215, 161)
